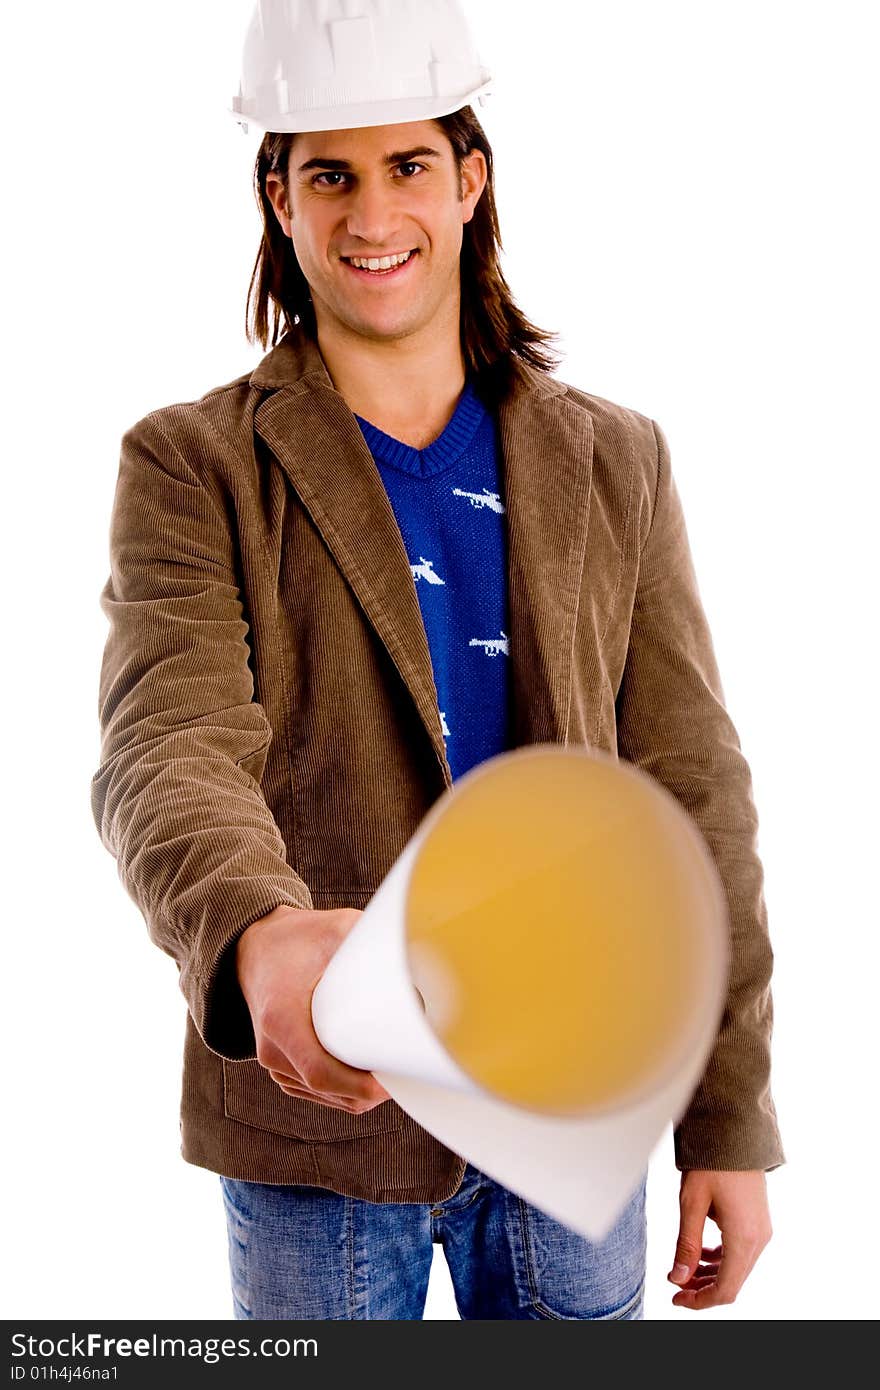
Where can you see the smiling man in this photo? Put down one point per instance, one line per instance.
(398, 547)
(376, 218)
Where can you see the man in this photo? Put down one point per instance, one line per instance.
(285, 693)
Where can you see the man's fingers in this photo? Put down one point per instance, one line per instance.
(733, 1270)
(290, 1088)
(689, 1247)
(294, 1085)
(707, 1297)
(282, 1069)
(320, 1083)
(705, 1274)
(324, 1072)
(327, 1074)
(316, 1069)
(696, 1283)
(334, 1102)
(704, 1271)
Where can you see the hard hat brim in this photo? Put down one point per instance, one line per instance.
(358, 116)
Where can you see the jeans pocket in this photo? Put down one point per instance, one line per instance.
(571, 1277)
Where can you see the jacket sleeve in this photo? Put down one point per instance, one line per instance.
(176, 798)
(672, 723)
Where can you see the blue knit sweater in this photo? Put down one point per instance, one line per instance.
(449, 503)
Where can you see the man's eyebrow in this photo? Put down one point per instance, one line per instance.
(398, 157)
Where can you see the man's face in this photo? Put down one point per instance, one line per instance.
(371, 193)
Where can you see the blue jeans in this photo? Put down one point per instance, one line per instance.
(303, 1252)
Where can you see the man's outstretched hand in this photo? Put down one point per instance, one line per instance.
(737, 1203)
(279, 961)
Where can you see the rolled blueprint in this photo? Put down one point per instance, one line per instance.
(539, 979)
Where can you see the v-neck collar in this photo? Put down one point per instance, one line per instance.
(442, 452)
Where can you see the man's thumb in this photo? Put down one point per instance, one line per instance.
(688, 1249)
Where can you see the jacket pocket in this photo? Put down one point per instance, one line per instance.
(251, 1097)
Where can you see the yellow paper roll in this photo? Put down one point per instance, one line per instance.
(556, 930)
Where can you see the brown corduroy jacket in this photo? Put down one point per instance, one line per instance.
(270, 729)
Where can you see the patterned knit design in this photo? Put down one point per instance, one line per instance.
(448, 501)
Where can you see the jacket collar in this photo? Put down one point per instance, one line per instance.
(547, 449)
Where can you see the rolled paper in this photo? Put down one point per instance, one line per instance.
(539, 979)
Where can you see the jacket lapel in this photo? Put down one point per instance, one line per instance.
(319, 444)
(547, 447)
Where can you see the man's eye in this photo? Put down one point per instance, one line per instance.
(339, 174)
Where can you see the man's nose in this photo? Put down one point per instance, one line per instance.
(371, 214)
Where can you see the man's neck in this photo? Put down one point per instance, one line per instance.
(407, 387)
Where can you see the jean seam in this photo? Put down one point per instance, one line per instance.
(541, 1307)
(629, 1305)
(529, 1262)
(349, 1237)
(243, 1249)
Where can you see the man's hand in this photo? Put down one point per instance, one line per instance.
(279, 961)
(737, 1203)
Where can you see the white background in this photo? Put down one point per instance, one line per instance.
(687, 194)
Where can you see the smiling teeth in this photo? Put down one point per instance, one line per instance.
(379, 263)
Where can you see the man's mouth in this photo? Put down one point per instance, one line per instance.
(380, 267)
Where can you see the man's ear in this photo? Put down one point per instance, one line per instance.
(276, 195)
(474, 172)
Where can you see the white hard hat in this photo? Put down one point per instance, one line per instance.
(340, 64)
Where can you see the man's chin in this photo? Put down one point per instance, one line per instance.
(375, 323)
(387, 330)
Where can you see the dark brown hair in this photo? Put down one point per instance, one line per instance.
(496, 337)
